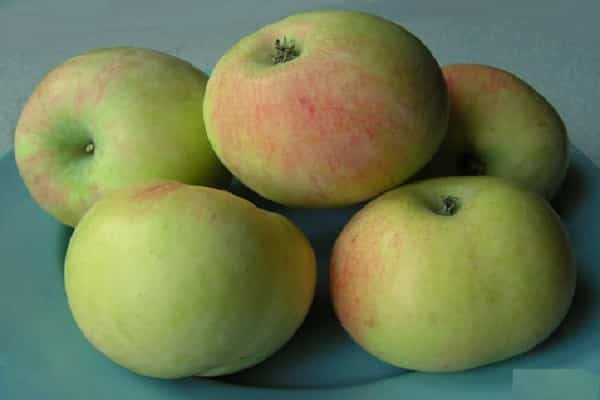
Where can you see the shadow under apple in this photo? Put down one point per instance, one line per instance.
(572, 191)
(576, 203)
(320, 343)
(64, 235)
(585, 304)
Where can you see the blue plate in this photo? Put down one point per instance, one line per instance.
(44, 356)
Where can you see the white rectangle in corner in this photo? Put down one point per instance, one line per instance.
(559, 384)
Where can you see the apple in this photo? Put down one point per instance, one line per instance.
(452, 273)
(172, 280)
(326, 108)
(110, 118)
(500, 126)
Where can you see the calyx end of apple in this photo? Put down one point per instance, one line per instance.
(285, 50)
(450, 206)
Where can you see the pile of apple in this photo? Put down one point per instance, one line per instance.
(170, 276)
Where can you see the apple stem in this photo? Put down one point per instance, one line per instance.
(449, 205)
(284, 51)
(89, 148)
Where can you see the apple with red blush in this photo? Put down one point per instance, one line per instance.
(453, 273)
(501, 126)
(110, 118)
(326, 108)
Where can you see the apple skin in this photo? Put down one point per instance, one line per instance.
(437, 293)
(505, 126)
(172, 280)
(360, 110)
(142, 111)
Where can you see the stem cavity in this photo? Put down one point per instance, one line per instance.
(285, 50)
(450, 205)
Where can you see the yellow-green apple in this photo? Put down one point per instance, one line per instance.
(171, 280)
(326, 108)
(452, 273)
(110, 118)
(499, 125)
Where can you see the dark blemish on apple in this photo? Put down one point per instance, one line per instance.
(370, 322)
(157, 190)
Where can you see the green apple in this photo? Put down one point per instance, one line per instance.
(171, 280)
(326, 108)
(500, 126)
(110, 118)
(452, 273)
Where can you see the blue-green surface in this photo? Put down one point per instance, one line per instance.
(43, 355)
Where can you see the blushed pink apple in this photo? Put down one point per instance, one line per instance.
(452, 273)
(500, 126)
(326, 108)
(110, 118)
